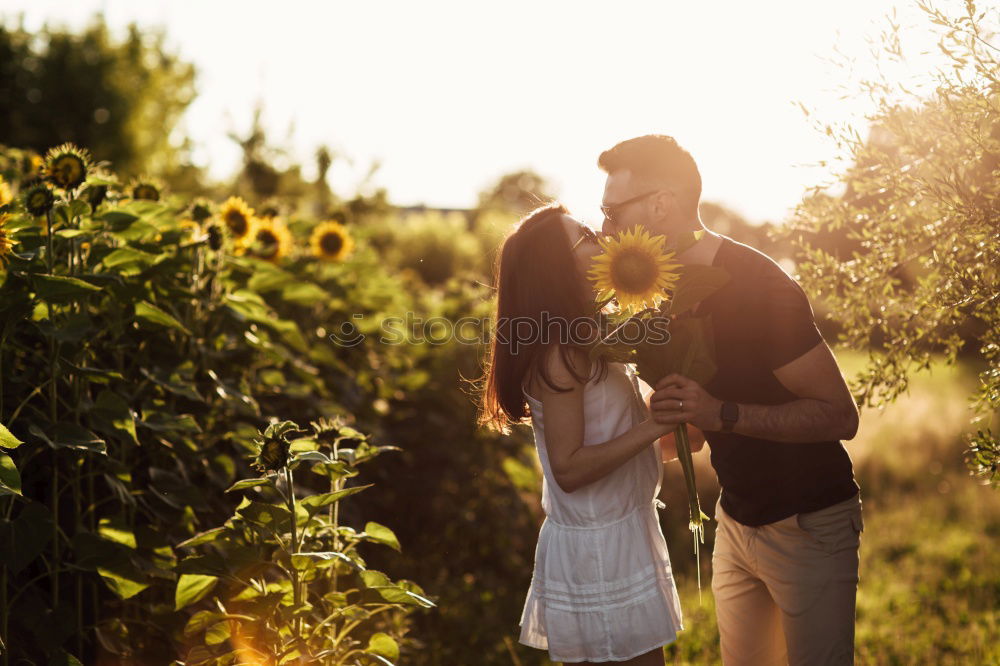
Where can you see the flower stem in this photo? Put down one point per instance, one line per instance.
(696, 523)
(294, 547)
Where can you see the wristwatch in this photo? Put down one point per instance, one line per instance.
(730, 414)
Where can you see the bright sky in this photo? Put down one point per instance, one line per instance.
(449, 95)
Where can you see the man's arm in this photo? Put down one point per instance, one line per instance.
(824, 409)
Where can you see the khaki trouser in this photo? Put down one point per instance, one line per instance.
(785, 591)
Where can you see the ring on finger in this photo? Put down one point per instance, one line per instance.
(680, 405)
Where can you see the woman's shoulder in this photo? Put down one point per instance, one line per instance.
(564, 367)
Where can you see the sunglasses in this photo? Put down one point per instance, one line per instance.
(612, 210)
(588, 234)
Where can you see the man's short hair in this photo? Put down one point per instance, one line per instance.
(657, 159)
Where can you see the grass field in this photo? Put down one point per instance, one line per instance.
(930, 566)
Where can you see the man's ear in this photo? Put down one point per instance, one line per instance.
(664, 205)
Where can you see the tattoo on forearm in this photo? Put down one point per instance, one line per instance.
(803, 420)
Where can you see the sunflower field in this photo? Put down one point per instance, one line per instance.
(184, 427)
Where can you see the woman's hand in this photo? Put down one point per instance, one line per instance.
(668, 444)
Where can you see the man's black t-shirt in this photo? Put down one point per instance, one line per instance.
(761, 320)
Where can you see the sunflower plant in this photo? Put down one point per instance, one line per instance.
(282, 581)
(656, 294)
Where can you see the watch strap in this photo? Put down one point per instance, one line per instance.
(729, 413)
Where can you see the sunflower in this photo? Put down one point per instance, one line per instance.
(39, 199)
(146, 189)
(270, 239)
(95, 195)
(201, 210)
(269, 210)
(635, 268)
(66, 166)
(218, 233)
(238, 216)
(31, 166)
(189, 226)
(6, 243)
(5, 194)
(331, 241)
(326, 431)
(273, 446)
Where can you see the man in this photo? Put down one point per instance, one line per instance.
(785, 563)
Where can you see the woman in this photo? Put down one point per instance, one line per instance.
(602, 588)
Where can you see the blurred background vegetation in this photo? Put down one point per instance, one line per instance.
(464, 503)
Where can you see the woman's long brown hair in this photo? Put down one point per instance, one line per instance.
(538, 292)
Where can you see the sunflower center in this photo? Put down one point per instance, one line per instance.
(146, 192)
(331, 243)
(268, 242)
(68, 171)
(237, 222)
(634, 271)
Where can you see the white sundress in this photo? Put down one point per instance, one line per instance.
(602, 587)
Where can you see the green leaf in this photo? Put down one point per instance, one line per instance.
(119, 219)
(373, 578)
(302, 561)
(205, 537)
(99, 375)
(117, 529)
(305, 293)
(192, 588)
(316, 502)
(10, 480)
(170, 423)
(129, 255)
(200, 621)
(124, 579)
(66, 435)
(24, 538)
(186, 390)
(397, 595)
(310, 456)
(248, 483)
(383, 645)
(7, 440)
(73, 233)
(150, 314)
(111, 409)
(696, 283)
(99, 180)
(335, 470)
(269, 278)
(290, 333)
(139, 230)
(60, 288)
(274, 517)
(218, 633)
(689, 352)
(79, 208)
(63, 658)
(381, 534)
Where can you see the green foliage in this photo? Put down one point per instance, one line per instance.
(140, 368)
(273, 567)
(122, 99)
(435, 247)
(919, 272)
